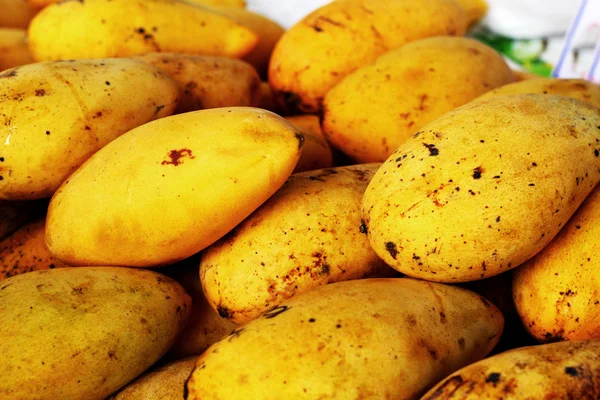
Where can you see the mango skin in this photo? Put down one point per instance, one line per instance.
(207, 81)
(331, 341)
(306, 235)
(557, 293)
(164, 382)
(317, 152)
(170, 188)
(575, 88)
(82, 333)
(97, 29)
(378, 107)
(340, 37)
(13, 48)
(55, 115)
(25, 251)
(483, 188)
(568, 370)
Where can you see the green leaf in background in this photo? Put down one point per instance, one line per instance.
(525, 53)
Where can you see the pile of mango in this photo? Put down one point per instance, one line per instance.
(197, 204)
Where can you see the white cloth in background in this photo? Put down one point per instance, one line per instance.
(530, 19)
(285, 12)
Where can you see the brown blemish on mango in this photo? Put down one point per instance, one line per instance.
(176, 157)
(8, 74)
(391, 248)
(433, 151)
(224, 312)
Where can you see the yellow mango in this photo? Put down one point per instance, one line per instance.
(557, 293)
(13, 48)
(306, 235)
(485, 187)
(98, 29)
(207, 81)
(165, 382)
(317, 152)
(574, 88)
(569, 370)
(378, 107)
(170, 188)
(55, 115)
(26, 250)
(82, 333)
(340, 37)
(16, 13)
(370, 339)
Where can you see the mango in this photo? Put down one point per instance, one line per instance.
(483, 188)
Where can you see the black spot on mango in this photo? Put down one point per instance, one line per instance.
(391, 248)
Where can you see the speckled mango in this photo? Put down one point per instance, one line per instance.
(574, 88)
(55, 115)
(98, 29)
(569, 370)
(164, 382)
(13, 48)
(370, 339)
(171, 187)
(207, 81)
(317, 152)
(205, 327)
(378, 107)
(340, 37)
(82, 333)
(483, 188)
(307, 235)
(25, 251)
(557, 293)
